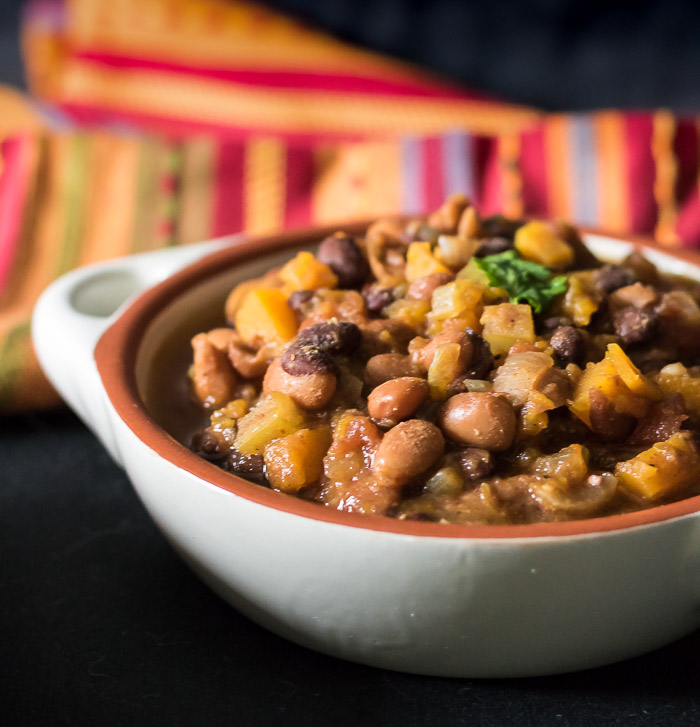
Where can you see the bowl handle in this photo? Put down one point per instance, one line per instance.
(74, 311)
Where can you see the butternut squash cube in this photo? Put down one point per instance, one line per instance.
(505, 324)
(582, 298)
(305, 272)
(536, 242)
(411, 312)
(275, 415)
(666, 468)
(296, 461)
(420, 262)
(629, 391)
(265, 317)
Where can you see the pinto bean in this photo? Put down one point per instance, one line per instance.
(425, 355)
(448, 215)
(310, 391)
(422, 288)
(344, 257)
(386, 366)
(484, 420)
(248, 362)
(397, 399)
(213, 378)
(407, 450)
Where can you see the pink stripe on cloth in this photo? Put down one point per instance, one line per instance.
(288, 79)
(228, 208)
(533, 167)
(301, 172)
(640, 172)
(15, 176)
(433, 177)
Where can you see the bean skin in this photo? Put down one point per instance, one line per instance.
(345, 259)
(386, 366)
(311, 391)
(397, 399)
(483, 420)
(408, 450)
(423, 288)
(213, 378)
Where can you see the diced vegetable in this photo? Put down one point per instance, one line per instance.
(462, 299)
(536, 242)
(664, 469)
(420, 262)
(676, 378)
(506, 323)
(582, 299)
(274, 416)
(569, 465)
(411, 312)
(305, 272)
(455, 251)
(444, 369)
(296, 461)
(472, 271)
(619, 380)
(265, 317)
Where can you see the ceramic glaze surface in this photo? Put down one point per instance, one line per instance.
(460, 605)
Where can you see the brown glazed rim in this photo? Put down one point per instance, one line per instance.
(116, 352)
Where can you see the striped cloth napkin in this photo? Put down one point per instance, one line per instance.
(163, 122)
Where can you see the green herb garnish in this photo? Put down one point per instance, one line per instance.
(525, 282)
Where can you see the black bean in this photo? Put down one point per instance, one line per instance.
(206, 444)
(334, 337)
(492, 246)
(551, 324)
(250, 466)
(298, 300)
(482, 358)
(476, 463)
(304, 359)
(569, 345)
(344, 257)
(500, 226)
(611, 277)
(376, 299)
(635, 326)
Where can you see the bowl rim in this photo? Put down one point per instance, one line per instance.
(117, 349)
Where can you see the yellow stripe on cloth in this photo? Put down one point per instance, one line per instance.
(264, 185)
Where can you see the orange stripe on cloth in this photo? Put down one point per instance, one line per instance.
(357, 181)
(264, 186)
(663, 135)
(197, 192)
(110, 197)
(613, 192)
(162, 94)
(511, 178)
(559, 173)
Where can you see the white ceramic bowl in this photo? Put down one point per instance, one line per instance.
(469, 601)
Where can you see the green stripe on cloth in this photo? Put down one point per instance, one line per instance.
(13, 358)
(75, 202)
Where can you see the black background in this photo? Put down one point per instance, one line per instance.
(101, 624)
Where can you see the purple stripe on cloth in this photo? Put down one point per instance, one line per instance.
(412, 175)
(458, 164)
(584, 170)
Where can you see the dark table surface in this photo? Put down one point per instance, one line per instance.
(101, 624)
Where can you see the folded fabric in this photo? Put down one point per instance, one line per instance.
(165, 122)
